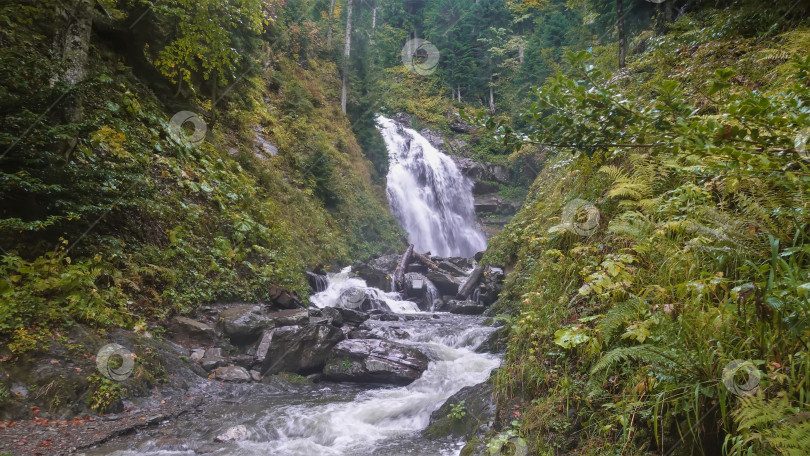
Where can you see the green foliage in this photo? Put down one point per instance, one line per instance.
(104, 393)
(700, 257)
(458, 410)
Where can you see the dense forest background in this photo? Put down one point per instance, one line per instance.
(677, 129)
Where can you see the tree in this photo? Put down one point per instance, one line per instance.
(346, 53)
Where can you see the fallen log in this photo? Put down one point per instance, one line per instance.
(466, 290)
(399, 274)
(426, 261)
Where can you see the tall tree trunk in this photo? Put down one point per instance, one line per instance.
(329, 29)
(346, 53)
(459, 92)
(73, 46)
(491, 98)
(622, 34)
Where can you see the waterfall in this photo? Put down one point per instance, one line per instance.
(428, 195)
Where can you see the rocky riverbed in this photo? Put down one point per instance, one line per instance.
(279, 376)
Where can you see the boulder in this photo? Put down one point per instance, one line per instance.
(484, 187)
(359, 299)
(302, 350)
(445, 283)
(375, 361)
(233, 434)
(465, 308)
(236, 374)
(191, 332)
(284, 299)
(244, 323)
(479, 413)
(197, 354)
(340, 316)
(289, 317)
(434, 138)
(498, 173)
(403, 119)
(490, 287)
(374, 276)
(460, 126)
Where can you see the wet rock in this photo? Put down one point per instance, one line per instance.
(374, 276)
(213, 358)
(495, 342)
(233, 434)
(244, 323)
(435, 139)
(236, 374)
(359, 299)
(484, 187)
(445, 283)
(403, 119)
(479, 413)
(362, 334)
(171, 444)
(479, 255)
(302, 350)
(375, 361)
(193, 329)
(245, 360)
(459, 126)
(491, 286)
(417, 267)
(255, 375)
(264, 345)
(353, 317)
(333, 316)
(317, 282)
(465, 308)
(284, 299)
(384, 317)
(289, 317)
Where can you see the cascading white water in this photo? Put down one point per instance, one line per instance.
(428, 194)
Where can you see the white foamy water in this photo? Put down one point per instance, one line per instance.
(428, 195)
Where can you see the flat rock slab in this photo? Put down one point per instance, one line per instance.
(375, 361)
(56, 437)
(289, 317)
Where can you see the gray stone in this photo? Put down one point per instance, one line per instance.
(479, 412)
(236, 374)
(284, 299)
(375, 361)
(256, 376)
(302, 350)
(445, 283)
(233, 434)
(244, 323)
(194, 327)
(289, 317)
(197, 354)
(264, 345)
(465, 308)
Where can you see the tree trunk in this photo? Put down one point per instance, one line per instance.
(491, 99)
(73, 47)
(346, 53)
(399, 274)
(621, 32)
(459, 92)
(426, 261)
(329, 29)
(466, 290)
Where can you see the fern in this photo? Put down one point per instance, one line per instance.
(619, 315)
(770, 427)
(645, 353)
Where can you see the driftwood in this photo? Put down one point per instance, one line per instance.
(426, 261)
(399, 274)
(466, 290)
